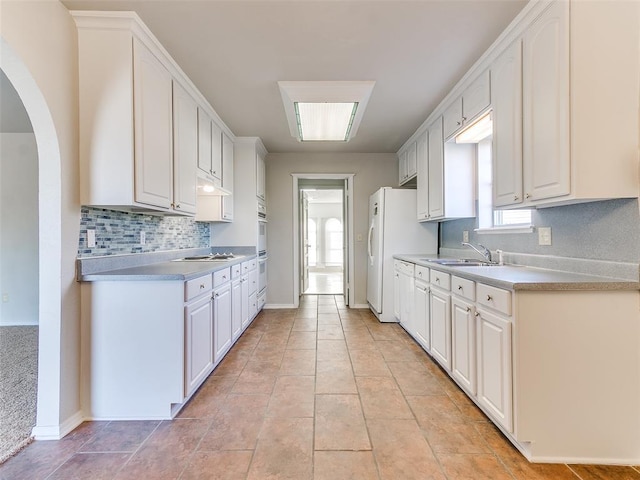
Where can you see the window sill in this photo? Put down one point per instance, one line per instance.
(505, 229)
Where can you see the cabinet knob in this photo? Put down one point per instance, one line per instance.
(419, 274)
(516, 197)
(201, 286)
(217, 295)
(224, 277)
(464, 119)
(468, 309)
(489, 298)
(477, 314)
(459, 123)
(459, 287)
(178, 205)
(528, 195)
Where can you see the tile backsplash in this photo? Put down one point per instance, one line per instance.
(119, 232)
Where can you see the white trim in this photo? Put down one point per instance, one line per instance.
(505, 230)
(296, 227)
(360, 305)
(276, 306)
(56, 432)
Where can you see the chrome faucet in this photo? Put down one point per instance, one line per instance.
(485, 252)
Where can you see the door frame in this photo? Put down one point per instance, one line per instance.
(349, 271)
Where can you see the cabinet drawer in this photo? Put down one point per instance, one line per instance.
(404, 267)
(422, 273)
(249, 265)
(493, 297)
(221, 276)
(440, 279)
(236, 270)
(463, 287)
(197, 286)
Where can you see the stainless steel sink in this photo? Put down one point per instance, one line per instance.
(460, 262)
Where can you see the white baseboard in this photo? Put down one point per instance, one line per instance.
(360, 305)
(56, 432)
(273, 306)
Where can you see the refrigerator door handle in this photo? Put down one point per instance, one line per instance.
(369, 244)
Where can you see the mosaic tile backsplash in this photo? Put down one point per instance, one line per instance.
(119, 232)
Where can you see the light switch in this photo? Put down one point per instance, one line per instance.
(91, 238)
(465, 236)
(143, 238)
(544, 235)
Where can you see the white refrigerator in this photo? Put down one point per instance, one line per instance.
(393, 229)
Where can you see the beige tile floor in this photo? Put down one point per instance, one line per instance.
(321, 392)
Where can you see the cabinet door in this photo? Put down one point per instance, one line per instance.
(185, 150)
(406, 302)
(204, 142)
(506, 95)
(216, 153)
(494, 367)
(260, 177)
(152, 99)
(245, 301)
(422, 181)
(396, 296)
(452, 118)
(222, 321)
(436, 170)
(412, 159)
(546, 133)
(476, 98)
(421, 315)
(441, 327)
(402, 167)
(198, 343)
(463, 344)
(236, 309)
(227, 177)
(253, 306)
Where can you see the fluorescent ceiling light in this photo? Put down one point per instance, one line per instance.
(477, 131)
(325, 121)
(325, 111)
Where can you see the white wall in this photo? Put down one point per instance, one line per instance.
(18, 229)
(371, 170)
(39, 55)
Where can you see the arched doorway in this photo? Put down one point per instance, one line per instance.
(49, 240)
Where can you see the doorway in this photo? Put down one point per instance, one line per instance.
(322, 240)
(323, 235)
(19, 253)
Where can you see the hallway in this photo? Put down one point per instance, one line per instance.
(321, 392)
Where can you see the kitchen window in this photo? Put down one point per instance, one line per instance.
(490, 220)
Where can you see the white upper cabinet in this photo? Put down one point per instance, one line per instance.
(506, 101)
(546, 105)
(422, 180)
(436, 170)
(475, 99)
(407, 164)
(227, 177)
(261, 179)
(144, 128)
(152, 98)
(185, 149)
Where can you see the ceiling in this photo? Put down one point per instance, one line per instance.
(235, 52)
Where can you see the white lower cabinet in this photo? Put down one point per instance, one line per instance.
(236, 308)
(422, 314)
(405, 288)
(463, 344)
(244, 292)
(495, 391)
(440, 317)
(198, 329)
(222, 320)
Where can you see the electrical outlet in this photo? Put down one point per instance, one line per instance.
(143, 238)
(465, 236)
(544, 235)
(5, 298)
(91, 238)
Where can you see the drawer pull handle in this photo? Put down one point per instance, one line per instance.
(489, 298)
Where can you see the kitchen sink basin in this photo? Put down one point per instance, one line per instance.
(460, 262)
